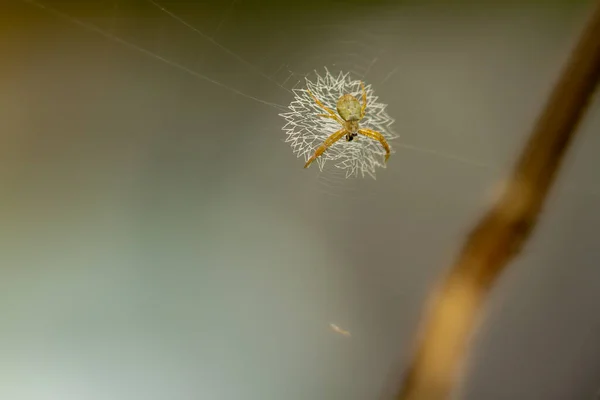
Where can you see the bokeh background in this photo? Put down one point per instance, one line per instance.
(159, 240)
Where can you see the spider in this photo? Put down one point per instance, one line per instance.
(350, 114)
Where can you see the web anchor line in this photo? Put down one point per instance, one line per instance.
(93, 28)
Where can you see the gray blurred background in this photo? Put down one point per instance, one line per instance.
(159, 239)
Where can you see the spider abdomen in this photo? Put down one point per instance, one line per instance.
(349, 108)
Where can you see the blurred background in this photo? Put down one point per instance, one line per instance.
(159, 239)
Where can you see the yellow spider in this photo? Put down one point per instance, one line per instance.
(351, 113)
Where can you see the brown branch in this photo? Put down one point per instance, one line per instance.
(503, 231)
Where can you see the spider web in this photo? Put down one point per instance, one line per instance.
(306, 130)
(347, 60)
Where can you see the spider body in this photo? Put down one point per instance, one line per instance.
(349, 108)
(349, 114)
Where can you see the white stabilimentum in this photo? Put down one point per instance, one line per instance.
(306, 131)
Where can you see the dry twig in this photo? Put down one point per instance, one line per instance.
(503, 231)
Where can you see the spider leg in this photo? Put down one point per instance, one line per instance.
(331, 113)
(379, 137)
(334, 137)
(364, 99)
